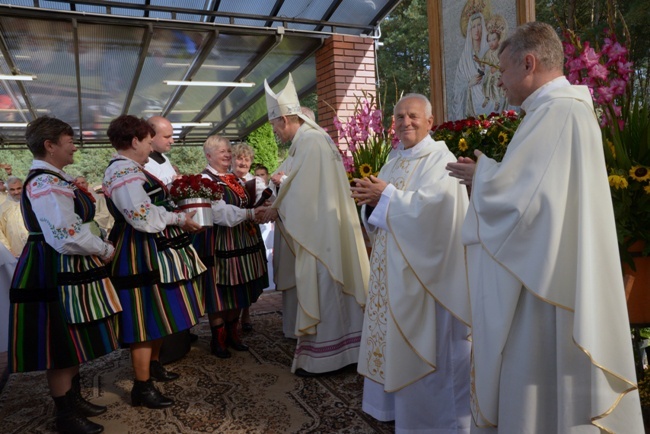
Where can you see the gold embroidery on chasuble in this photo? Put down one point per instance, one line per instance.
(377, 311)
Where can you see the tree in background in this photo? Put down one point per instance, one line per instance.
(403, 60)
(265, 145)
(189, 159)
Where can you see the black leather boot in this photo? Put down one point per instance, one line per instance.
(145, 393)
(158, 372)
(218, 342)
(233, 340)
(88, 409)
(69, 418)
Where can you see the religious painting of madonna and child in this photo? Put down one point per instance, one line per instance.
(473, 31)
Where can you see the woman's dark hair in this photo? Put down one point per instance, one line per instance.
(45, 128)
(123, 129)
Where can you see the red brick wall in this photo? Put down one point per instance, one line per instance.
(345, 68)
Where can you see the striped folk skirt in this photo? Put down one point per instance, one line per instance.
(63, 309)
(240, 272)
(158, 278)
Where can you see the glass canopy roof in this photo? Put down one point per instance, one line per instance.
(95, 59)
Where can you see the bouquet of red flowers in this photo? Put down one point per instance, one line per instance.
(195, 187)
(490, 134)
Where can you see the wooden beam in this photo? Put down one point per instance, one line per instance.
(436, 61)
(525, 11)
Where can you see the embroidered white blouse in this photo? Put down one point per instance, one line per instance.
(123, 184)
(52, 200)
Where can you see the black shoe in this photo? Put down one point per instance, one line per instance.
(193, 337)
(145, 393)
(88, 409)
(158, 372)
(69, 418)
(305, 374)
(247, 327)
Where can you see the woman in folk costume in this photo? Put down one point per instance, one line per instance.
(155, 270)
(63, 305)
(238, 272)
(242, 159)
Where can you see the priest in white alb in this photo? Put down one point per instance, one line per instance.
(415, 348)
(552, 347)
(13, 233)
(327, 252)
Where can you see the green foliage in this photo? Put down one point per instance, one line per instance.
(266, 147)
(20, 160)
(403, 60)
(189, 159)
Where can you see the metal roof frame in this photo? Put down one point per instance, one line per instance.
(198, 40)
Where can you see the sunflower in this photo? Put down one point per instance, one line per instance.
(462, 145)
(503, 138)
(639, 173)
(647, 189)
(365, 170)
(617, 181)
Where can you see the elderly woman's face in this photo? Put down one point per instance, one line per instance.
(242, 165)
(220, 158)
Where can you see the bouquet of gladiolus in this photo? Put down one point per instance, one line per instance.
(365, 143)
(625, 124)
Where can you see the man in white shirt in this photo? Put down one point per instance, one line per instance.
(12, 227)
(551, 339)
(415, 351)
(158, 164)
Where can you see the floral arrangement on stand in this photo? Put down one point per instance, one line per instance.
(490, 134)
(364, 142)
(195, 187)
(625, 123)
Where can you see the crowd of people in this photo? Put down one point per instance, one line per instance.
(500, 311)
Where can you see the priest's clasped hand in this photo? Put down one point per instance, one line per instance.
(367, 191)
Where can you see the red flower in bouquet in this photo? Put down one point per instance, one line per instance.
(490, 134)
(195, 187)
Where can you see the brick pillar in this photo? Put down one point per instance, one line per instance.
(345, 68)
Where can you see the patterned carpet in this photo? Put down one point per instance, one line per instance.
(250, 393)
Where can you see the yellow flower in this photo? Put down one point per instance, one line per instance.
(503, 138)
(639, 173)
(365, 170)
(618, 182)
(647, 189)
(350, 177)
(462, 145)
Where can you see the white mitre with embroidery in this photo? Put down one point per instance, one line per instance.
(285, 103)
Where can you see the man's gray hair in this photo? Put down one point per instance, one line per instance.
(537, 38)
(428, 110)
(13, 180)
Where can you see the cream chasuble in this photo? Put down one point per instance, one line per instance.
(320, 223)
(544, 272)
(12, 228)
(416, 264)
